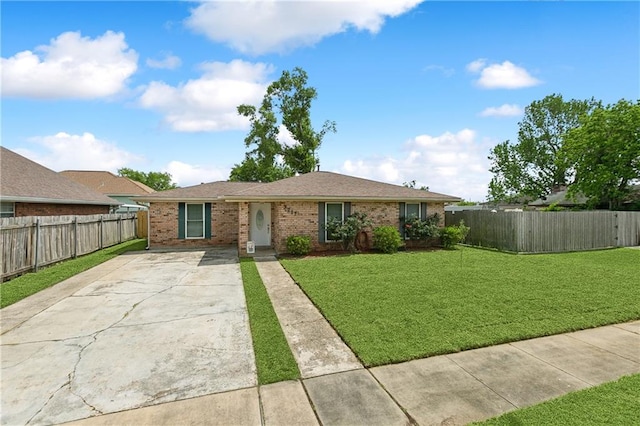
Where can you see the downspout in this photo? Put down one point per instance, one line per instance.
(148, 228)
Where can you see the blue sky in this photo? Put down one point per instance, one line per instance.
(419, 90)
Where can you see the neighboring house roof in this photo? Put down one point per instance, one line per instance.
(560, 199)
(23, 180)
(309, 186)
(107, 183)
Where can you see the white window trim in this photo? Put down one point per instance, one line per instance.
(186, 221)
(13, 209)
(326, 219)
(406, 215)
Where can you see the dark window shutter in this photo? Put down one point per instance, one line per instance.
(181, 214)
(346, 211)
(423, 211)
(207, 220)
(321, 222)
(401, 208)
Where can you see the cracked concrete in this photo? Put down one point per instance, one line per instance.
(160, 327)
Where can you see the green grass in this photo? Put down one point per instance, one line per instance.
(614, 403)
(274, 359)
(393, 308)
(33, 282)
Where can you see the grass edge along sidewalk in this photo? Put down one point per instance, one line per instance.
(614, 403)
(30, 283)
(274, 360)
(404, 306)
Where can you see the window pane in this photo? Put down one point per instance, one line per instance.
(194, 212)
(194, 229)
(412, 211)
(334, 210)
(6, 209)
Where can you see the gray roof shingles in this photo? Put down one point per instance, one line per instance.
(24, 180)
(313, 185)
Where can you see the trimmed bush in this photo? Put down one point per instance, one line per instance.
(452, 235)
(298, 244)
(387, 239)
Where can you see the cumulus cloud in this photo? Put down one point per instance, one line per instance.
(259, 27)
(64, 151)
(184, 174)
(501, 76)
(450, 163)
(169, 62)
(209, 103)
(70, 67)
(506, 110)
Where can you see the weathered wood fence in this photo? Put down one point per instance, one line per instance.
(549, 232)
(29, 242)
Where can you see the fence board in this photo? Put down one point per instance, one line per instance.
(549, 232)
(59, 238)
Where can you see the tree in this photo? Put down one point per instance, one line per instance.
(606, 152)
(287, 100)
(412, 185)
(533, 167)
(156, 180)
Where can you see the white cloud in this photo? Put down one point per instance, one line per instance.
(63, 151)
(501, 76)
(447, 72)
(506, 110)
(209, 102)
(70, 67)
(169, 62)
(451, 163)
(285, 137)
(184, 174)
(259, 27)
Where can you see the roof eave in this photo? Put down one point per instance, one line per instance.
(14, 199)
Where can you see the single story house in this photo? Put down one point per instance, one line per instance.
(233, 213)
(30, 189)
(119, 188)
(560, 198)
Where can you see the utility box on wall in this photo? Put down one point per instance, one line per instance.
(251, 247)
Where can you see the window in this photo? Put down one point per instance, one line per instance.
(412, 211)
(7, 209)
(194, 221)
(332, 210)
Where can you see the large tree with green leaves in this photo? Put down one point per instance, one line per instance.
(532, 167)
(287, 102)
(160, 181)
(605, 150)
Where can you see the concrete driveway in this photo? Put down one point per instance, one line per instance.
(139, 330)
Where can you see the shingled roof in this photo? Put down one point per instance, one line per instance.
(23, 180)
(309, 186)
(107, 183)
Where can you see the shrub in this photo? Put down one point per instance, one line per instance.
(348, 230)
(298, 244)
(416, 229)
(452, 235)
(387, 239)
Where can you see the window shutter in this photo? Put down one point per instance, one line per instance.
(207, 220)
(321, 222)
(181, 214)
(346, 211)
(401, 209)
(423, 211)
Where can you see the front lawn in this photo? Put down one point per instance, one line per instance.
(393, 308)
(614, 403)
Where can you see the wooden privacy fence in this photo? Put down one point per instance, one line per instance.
(29, 242)
(549, 232)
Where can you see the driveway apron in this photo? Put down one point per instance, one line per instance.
(163, 327)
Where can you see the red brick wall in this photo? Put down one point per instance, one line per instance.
(164, 226)
(46, 209)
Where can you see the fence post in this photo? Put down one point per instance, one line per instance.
(119, 229)
(75, 237)
(101, 231)
(35, 266)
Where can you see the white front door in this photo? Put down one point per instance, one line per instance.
(260, 224)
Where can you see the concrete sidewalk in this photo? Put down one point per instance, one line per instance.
(451, 389)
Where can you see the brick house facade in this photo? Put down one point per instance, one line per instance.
(49, 209)
(220, 213)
